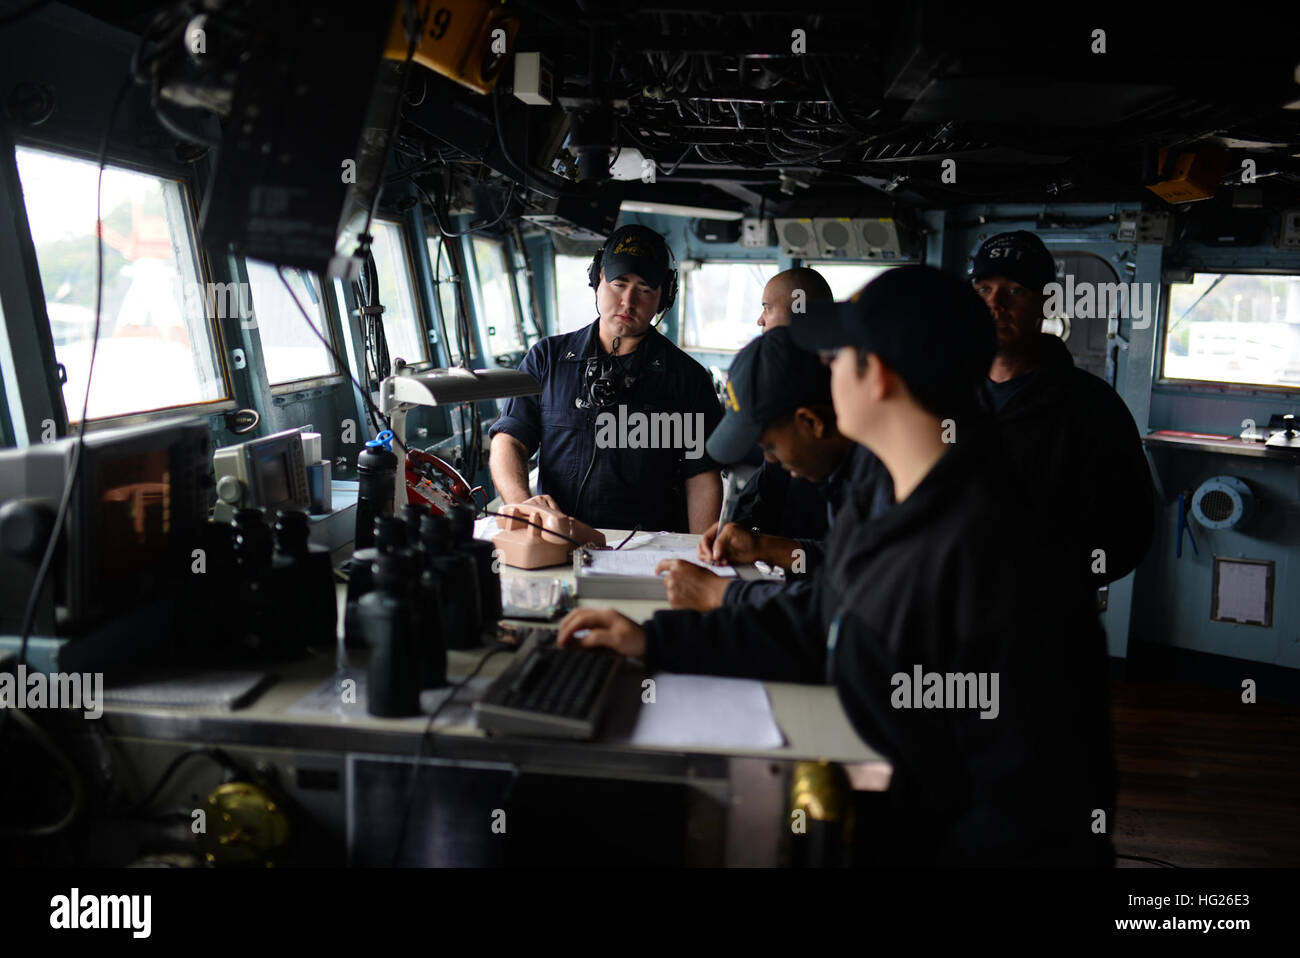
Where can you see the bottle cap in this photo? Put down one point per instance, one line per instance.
(384, 439)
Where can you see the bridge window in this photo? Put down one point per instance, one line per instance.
(845, 279)
(291, 350)
(402, 327)
(497, 297)
(157, 344)
(575, 301)
(1234, 328)
(723, 303)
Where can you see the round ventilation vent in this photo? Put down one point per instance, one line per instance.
(1224, 502)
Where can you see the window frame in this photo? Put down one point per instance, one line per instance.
(516, 258)
(1165, 383)
(430, 361)
(684, 295)
(445, 331)
(189, 187)
(330, 331)
(507, 266)
(553, 267)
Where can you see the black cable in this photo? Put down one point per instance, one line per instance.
(48, 746)
(216, 754)
(374, 334)
(635, 529)
(496, 125)
(585, 476)
(668, 172)
(437, 295)
(476, 423)
(426, 736)
(345, 367)
(459, 323)
(424, 91)
(456, 327)
(61, 515)
(414, 30)
(174, 128)
(830, 95)
(375, 356)
(422, 167)
(522, 249)
(477, 229)
(456, 261)
(535, 525)
(472, 437)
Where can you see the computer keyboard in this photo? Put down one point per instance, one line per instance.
(550, 692)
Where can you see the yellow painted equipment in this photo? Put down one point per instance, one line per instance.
(467, 41)
(1193, 176)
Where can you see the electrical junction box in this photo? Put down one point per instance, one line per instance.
(534, 79)
(1288, 229)
(755, 233)
(1139, 226)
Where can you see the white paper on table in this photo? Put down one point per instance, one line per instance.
(486, 527)
(707, 711)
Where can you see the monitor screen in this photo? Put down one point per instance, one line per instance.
(134, 513)
(138, 506)
(270, 486)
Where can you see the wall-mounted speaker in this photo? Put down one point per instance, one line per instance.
(878, 239)
(836, 238)
(798, 238)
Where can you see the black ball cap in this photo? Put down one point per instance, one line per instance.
(1019, 256)
(928, 327)
(635, 249)
(770, 378)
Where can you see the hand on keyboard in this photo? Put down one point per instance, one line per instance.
(603, 627)
(549, 691)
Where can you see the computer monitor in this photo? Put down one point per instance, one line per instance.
(268, 473)
(137, 508)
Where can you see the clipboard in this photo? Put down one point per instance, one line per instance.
(597, 575)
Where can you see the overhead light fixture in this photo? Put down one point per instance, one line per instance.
(406, 389)
(677, 209)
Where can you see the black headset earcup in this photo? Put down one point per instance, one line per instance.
(670, 291)
(593, 271)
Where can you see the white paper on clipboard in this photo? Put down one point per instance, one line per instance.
(642, 562)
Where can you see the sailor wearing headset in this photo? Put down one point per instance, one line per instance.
(623, 415)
